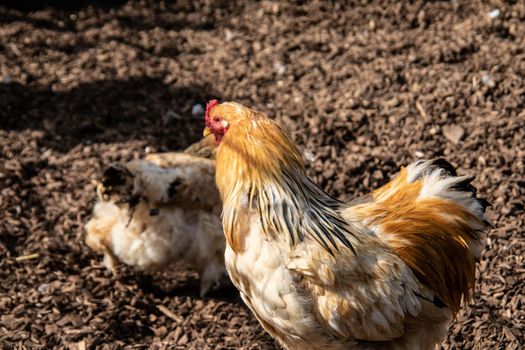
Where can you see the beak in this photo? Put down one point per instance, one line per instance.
(207, 132)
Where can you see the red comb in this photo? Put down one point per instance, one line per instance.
(209, 106)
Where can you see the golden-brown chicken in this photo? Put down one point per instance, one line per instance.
(162, 209)
(388, 271)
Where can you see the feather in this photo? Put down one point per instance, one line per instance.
(270, 167)
(433, 235)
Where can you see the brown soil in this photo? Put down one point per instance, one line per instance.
(364, 88)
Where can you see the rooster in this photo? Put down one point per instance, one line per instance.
(387, 271)
(161, 209)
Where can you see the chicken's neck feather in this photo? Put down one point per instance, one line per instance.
(299, 209)
(261, 172)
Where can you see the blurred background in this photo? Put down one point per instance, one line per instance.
(363, 86)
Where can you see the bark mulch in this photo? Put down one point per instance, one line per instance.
(364, 87)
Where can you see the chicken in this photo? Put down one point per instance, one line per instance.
(388, 271)
(162, 209)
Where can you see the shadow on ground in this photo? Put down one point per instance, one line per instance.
(106, 111)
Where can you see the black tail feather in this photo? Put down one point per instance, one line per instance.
(115, 175)
(445, 165)
(463, 186)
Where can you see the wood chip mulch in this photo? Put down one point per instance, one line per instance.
(365, 88)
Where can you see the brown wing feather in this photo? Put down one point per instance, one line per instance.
(431, 235)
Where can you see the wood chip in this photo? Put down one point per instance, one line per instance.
(169, 313)
(422, 111)
(27, 257)
(453, 133)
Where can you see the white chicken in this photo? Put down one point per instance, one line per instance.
(161, 209)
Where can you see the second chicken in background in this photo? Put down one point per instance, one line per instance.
(164, 208)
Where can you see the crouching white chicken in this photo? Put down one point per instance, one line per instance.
(164, 208)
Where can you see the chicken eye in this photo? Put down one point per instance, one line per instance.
(216, 119)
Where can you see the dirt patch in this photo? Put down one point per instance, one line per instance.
(364, 88)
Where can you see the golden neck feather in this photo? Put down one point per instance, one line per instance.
(255, 151)
(259, 170)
